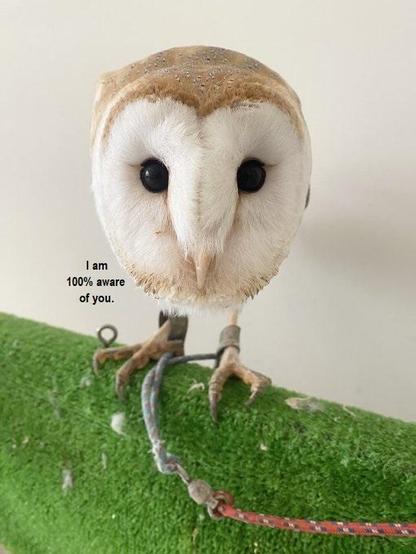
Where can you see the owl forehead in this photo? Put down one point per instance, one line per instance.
(204, 78)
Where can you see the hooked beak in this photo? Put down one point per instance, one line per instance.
(202, 262)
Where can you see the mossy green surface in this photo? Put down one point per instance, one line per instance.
(328, 464)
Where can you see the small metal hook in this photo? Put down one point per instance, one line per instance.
(107, 342)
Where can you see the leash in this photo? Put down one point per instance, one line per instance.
(220, 504)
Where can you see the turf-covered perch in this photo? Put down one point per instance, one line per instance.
(70, 484)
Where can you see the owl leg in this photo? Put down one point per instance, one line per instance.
(169, 337)
(229, 364)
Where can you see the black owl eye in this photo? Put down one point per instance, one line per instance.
(154, 175)
(251, 176)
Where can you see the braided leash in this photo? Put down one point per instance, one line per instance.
(319, 527)
(219, 503)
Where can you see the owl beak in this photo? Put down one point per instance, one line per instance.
(202, 262)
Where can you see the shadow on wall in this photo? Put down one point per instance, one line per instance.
(364, 235)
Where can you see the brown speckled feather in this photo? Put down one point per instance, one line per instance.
(205, 78)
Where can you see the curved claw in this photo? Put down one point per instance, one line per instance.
(215, 386)
(213, 405)
(120, 388)
(96, 362)
(136, 362)
(252, 398)
(258, 388)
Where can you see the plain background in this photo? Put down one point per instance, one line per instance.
(340, 320)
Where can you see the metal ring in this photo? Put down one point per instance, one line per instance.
(222, 497)
(213, 512)
(107, 342)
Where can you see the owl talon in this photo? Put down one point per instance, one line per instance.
(95, 363)
(139, 355)
(123, 376)
(120, 391)
(230, 365)
(213, 406)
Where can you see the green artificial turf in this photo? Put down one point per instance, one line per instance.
(329, 464)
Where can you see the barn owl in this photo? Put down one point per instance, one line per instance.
(200, 171)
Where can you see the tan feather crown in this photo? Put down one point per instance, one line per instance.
(205, 78)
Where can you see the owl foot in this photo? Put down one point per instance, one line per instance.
(229, 364)
(168, 338)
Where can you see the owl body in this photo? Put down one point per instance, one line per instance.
(213, 119)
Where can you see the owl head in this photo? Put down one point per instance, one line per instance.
(201, 168)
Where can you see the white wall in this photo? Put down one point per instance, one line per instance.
(340, 320)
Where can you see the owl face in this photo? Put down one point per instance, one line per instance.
(200, 209)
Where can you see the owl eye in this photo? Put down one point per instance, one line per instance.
(251, 176)
(154, 175)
